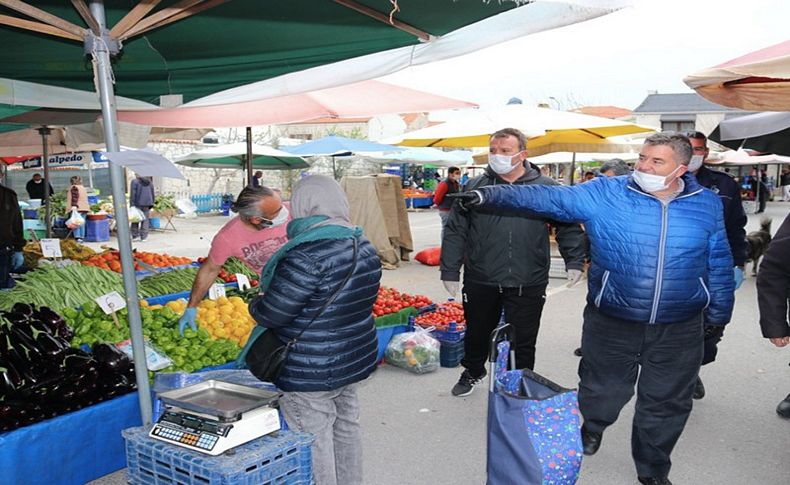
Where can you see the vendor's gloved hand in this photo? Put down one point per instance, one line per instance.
(188, 318)
(574, 276)
(738, 274)
(467, 200)
(17, 260)
(452, 287)
(713, 332)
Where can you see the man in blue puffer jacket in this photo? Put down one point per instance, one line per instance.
(338, 349)
(660, 262)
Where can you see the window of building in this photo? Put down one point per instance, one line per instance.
(677, 126)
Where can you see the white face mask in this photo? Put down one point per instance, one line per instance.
(282, 217)
(696, 163)
(653, 183)
(501, 164)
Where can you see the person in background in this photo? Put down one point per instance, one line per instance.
(35, 187)
(506, 261)
(464, 178)
(78, 197)
(784, 181)
(11, 237)
(614, 168)
(773, 299)
(588, 176)
(253, 236)
(256, 179)
(142, 196)
(338, 349)
(734, 223)
(450, 185)
(660, 267)
(760, 190)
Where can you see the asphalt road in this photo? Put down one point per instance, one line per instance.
(415, 432)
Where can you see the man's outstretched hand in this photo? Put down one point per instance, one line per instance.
(466, 200)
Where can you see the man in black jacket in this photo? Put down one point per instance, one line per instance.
(734, 222)
(35, 187)
(773, 280)
(11, 239)
(506, 261)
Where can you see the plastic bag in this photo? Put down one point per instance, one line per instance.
(416, 351)
(75, 220)
(186, 206)
(136, 215)
(430, 256)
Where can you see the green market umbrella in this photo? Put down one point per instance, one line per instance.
(234, 155)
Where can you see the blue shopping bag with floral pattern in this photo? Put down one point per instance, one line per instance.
(534, 427)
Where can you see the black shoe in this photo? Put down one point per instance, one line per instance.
(654, 481)
(699, 389)
(783, 409)
(466, 384)
(591, 441)
(578, 352)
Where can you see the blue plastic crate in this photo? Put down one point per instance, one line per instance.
(451, 353)
(284, 458)
(162, 299)
(448, 336)
(97, 231)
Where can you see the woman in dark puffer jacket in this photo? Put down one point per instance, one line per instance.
(338, 349)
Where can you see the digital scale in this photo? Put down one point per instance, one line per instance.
(214, 416)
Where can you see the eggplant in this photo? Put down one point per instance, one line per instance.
(49, 316)
(18, 359)
(10, 380)
(22, 308)
(16, 318)
(49, 345)
(25, 344)
(111, 358)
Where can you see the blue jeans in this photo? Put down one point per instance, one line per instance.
(333, 417)
(663, 360)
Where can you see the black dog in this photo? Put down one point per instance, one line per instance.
(758, 242)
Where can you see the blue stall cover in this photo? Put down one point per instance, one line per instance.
(74, 448)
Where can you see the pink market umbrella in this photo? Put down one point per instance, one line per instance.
(758, 81)
(366, 98)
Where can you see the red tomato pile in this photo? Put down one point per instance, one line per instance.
(231, 278)
(390, 300)
(452, 311)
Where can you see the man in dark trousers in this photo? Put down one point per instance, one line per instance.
(35, 187)
(773, 281)
(450, 185)
(734, 223)
(11, 238)
(506, 261)
(660, 267)
(142, 196)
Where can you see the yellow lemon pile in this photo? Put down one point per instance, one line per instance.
(226, 318)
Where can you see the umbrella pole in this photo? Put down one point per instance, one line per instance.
(107, 97)
(44, 131)
(249, 155)
(573, 167)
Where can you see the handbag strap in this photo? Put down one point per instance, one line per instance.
(334, 295)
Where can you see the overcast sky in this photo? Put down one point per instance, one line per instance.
(612, 60)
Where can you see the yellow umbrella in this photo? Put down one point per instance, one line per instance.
(548, 130)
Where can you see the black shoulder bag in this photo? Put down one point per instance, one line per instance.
(268, 353)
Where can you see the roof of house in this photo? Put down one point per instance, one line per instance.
(613, 112)
(679, 103)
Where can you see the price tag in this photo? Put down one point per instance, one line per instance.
(243, 281)
(50, 248)
(216, 291)
(111, 302)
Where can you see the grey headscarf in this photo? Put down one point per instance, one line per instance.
(318, 195)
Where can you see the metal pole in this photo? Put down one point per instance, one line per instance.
(107, 96)
(249, 155)
(44, 131)
(573, 168)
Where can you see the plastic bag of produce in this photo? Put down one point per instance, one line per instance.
(75, 219)
(430, 256)
(136, 215)
(416, 351)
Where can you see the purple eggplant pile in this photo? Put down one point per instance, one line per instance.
(41, 376)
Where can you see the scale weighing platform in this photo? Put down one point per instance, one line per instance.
(214, 416)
